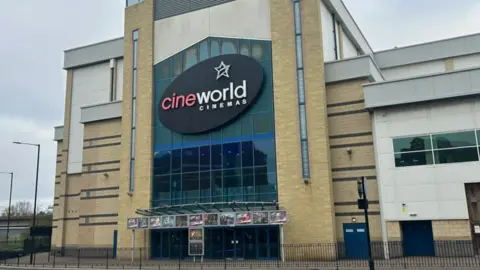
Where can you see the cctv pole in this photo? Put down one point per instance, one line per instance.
(363, 203)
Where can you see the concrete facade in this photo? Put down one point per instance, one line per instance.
(355, 100)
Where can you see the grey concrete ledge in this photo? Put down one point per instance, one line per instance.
(457, 83)
(352, 68)
(93, 53)
(99, 112)
(58, 133)
(430, 51)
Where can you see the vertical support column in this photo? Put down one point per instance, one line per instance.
(309, 204)
(61, 209)
(138, 86)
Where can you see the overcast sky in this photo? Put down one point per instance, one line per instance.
(36, 32)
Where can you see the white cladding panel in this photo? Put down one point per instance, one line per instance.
(349, 49)
(238, 19)
(468, 61)
(327, 33)
(119, 81)
(414, 70)
(90, 86)
(430, 191)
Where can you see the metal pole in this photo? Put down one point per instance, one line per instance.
(365, 210)
(35, 201)
(133, 243)
(9, 205)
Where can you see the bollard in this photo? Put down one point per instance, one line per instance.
(18, 260)
(54, 258)
(78, 259)
(140, 258)
(107, 260)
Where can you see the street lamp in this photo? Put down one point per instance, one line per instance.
(36, 189)
(9, 202)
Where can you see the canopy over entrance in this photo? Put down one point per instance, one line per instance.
(210, 207)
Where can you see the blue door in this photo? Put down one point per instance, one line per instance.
(355, 237)
(115, 236)
(418, 238)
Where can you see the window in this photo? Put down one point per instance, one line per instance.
(190, 57)
(203, 50)
(134, 108)
(455, 147)
(244, 49)
(133, 2)
(235, 162)
(229, 47)
(438, 148)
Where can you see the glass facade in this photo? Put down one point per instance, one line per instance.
(438, 148)
(234, 163)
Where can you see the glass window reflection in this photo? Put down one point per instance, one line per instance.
(258, 51)
(416, 143)
(203, 50)
(456, 155)
(204, 158)
(214, 48)
(190, 57)
(413, 159)
(457, 139)
(265, 154)
(231, 155)
(244, 48)
(162, 162)
(190, 159)
(229, 47)
(232, 184)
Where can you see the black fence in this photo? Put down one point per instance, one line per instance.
(19, 247)
(391, 255)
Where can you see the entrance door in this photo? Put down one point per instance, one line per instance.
(356, 243)
(115, 236)
(418, 238)
(229, 243)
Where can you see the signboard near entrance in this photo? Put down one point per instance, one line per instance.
(211, 94)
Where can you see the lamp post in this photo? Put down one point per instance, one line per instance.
(36, 189)
(9, 202)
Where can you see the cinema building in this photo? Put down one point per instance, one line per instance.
(227, 128)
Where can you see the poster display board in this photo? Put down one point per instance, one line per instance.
(195, 249)
(132, 223)
(209, 220)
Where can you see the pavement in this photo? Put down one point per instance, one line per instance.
(46, 262)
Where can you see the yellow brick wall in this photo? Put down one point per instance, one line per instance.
(59, 211)
(139, 16)
(310, 206)
(57, 191)
(352, 154)
(451, 230)
(394, 232)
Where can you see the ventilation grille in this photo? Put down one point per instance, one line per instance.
(169, 8)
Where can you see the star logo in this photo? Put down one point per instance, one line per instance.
(222, 70)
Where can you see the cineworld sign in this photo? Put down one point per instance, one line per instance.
(210, 94)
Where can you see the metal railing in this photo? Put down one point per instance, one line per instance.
(391, 255)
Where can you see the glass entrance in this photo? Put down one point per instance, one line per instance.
(237, 243)
(169, 244)
(242, 243)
